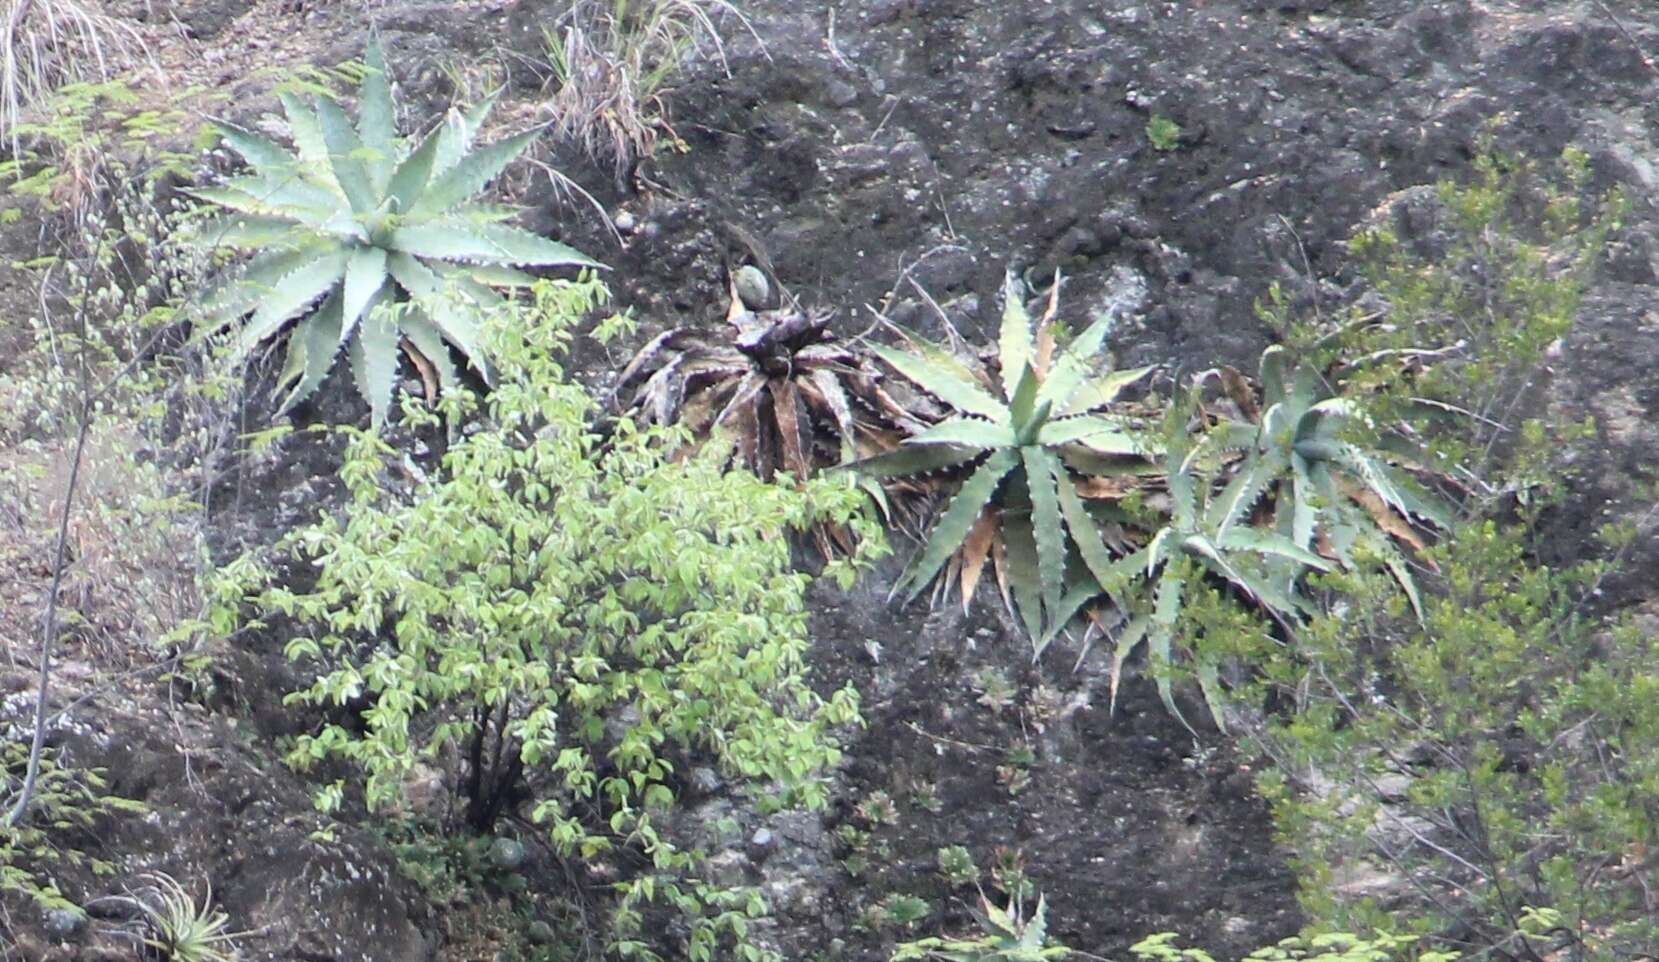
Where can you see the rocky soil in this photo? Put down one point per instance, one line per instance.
(864, 152)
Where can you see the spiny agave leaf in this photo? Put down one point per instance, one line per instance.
(1023, 411)
(835, 398)
(1245, 538)
(1127, 641)
(345, 157)
(457, 321)
(1020, 544)
(249, 232)
(1307, 387)
(1250, 482)
(1209, 683)
(365, 277)
(297, 201)
(458, 280)
(1325, 420)
(914, 459)
(1043, 474)
(1373, 474)
(1104, 390)
(473, 212)
(1077, 594)
(1104, 435)
(1275, 375)
(428, 340)
(1086, 535)
(967, 432)
(290, 296)
(1399, 568)
(376, 116)
(469, 175)
(317, 341)
(462, 130)
(790, 416)
(1074, 364)
(408, 181)
(497, 275)
(241, 294)
(1166, 610)
(1014, 343)
(374, 360)
(493, 242)
(1036, 930)
(944, 384)
(1304, 514)
(956, 521)
(307, 133)
(266, 156)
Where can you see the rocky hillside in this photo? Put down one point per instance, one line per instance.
(891, 156)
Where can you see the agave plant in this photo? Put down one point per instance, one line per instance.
(370, 240)
(1198, 538)
(789, 395)
(1328, 491)
(1027, 438)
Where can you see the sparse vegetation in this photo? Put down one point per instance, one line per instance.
(614, 63)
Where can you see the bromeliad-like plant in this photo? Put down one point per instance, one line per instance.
(1330, 492)
(1024, 437)
(371, 240)
(790, 397)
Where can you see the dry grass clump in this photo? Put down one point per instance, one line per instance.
(615, 61)
(47, 43)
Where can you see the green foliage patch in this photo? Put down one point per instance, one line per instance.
(568, 622)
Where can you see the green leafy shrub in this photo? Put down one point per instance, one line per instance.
(1018, 433)
(380, 230)
(66, 802)
(569, 624)
(1382, 946)
(1491, 763)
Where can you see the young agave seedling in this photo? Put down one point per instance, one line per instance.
(1025, 438)
(370, 240)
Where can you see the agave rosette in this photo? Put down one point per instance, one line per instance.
(1034, 441)
(372, 241)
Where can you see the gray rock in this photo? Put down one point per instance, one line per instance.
(705, 780)
(753, 288)
(65, 924)
(507, 853)
(540, 933)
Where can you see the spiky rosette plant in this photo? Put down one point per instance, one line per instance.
(1033, 441)
(1197, 539)
(370, 240)
(789, 396)
(1317, 472)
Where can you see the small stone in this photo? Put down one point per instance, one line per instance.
(65, 924)
(705, 780)
(626, 222)
(540, 933)
(753, 288)
(762, 843)
(507, 853)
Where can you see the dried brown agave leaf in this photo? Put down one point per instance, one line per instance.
(786, 407)
(1388, 519)
(423, 367)
(976, 548)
